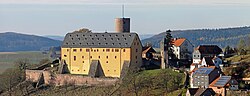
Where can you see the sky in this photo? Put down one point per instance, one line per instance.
(58, 17)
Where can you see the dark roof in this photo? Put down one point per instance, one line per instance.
(201, 91)
(204, 70)
(209, 61)
(148, 49)
(209, 49)
(99, 40)
(221, 81)
(192, 91)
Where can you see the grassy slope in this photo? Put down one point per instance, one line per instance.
(7, 59)
(239, 58)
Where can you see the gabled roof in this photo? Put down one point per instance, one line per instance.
(221, 81)
(178, 42)
(204, 70)
(200, 91)
(99, 40)
(192, 91)
(147, 49)
(209, 61)
(209, 49)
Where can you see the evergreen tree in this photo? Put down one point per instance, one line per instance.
(241, 44)
(169, 42)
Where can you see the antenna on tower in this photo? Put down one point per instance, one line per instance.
(122, 10)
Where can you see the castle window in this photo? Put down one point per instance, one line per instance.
(72, 38)
(67, 43)
(107, 61)
(109, 35)
(105, 38)
(103, 50)
(124, 50)
(129, 35)
(65, 55)
(119, 43)
(84, 70)
(113, 43)
(92, 43)
(87, 50)
(82, 57)
(115, 57)
(67, 50)
(99, 57)
(90, 35)
(116, 35)
(111, 38)
(95, 35)
(94, 50)
(92, 38)
(136, 62)
(136, 50)
(112, 50)
(126, 43)
(116, 50)
(99, 43)
(85, 38)
(102, 35)
(125, 38)
(122, 35)
(114, 70)
(90, 56)
(135, 57)
(69, 35)
(107, 50)
(87, 43)
(74, 58)
(97, 50)
(106, 44)
(137, 43)
(118, 38)
(77, 35)
(78, 38)
(80, 50)
(83, 35)
(107, 57)
(80, 43)
(74, 50)
(82, 61)
(73, 43)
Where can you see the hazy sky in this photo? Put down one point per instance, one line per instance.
(57, 17)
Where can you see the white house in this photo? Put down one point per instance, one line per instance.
(182, 48)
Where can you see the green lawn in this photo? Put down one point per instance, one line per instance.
(7, 59)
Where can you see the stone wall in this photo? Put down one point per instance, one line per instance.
(68, 79)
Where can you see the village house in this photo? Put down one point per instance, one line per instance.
(147, 52)
(182, 48)
(222, 84)
(101, 54)
(206, 62)
(203, 76)
(205, 51)
(200, 92)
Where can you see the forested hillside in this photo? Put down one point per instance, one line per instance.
(11, 41)
(220, 37)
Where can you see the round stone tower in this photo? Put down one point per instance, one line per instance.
(122, 25)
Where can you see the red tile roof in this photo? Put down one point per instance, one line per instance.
(178, 42)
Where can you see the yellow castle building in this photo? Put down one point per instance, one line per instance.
(101, 54)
